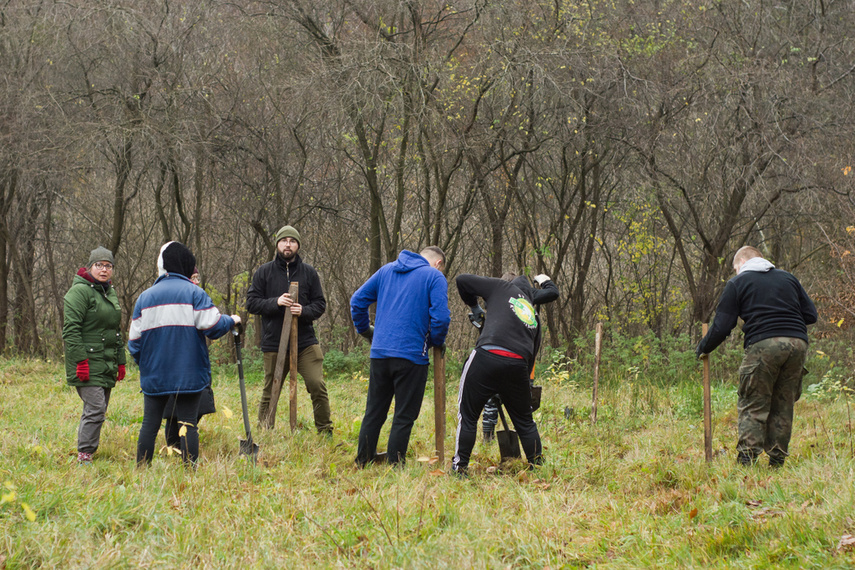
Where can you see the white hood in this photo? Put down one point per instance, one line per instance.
(756, 264)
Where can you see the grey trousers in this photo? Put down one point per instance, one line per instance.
(95, 400)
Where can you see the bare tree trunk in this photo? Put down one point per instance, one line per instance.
(54, 287)
(7, 193)
(123, 170)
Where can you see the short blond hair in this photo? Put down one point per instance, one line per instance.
(745, 253)
(434, 253)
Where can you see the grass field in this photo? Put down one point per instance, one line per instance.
(632, 491)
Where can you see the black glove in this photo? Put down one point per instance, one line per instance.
(476, 317)
(368, 334)
(698, 352)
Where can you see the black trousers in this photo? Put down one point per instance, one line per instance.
(484, 375)
(186, 409)
(391, 378)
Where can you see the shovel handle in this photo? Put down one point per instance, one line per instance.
(502, 416)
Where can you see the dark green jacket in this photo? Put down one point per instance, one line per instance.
(91, 331)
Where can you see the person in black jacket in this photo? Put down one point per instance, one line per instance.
(490, 417)
(502, 358)
(268, 296)
(776, 311)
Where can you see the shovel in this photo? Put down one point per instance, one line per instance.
(247, 446)
(509, 441)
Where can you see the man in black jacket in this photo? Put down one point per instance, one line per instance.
(502, 358)
(776, 311)
(268, 296)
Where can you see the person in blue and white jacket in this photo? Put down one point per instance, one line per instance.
(167, 340)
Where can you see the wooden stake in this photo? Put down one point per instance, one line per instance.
(292, 372)
(707, 404)
(598, 349)
(279, 370)
(439, 402)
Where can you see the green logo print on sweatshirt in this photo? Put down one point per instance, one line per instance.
(524, 311)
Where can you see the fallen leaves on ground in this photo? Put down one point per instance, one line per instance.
(847, 543)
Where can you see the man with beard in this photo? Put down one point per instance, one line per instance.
(268, 296)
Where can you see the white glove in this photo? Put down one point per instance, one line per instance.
(236, 319)
(542, 278)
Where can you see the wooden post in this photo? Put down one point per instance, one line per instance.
(707, 404)
(292, 372)
(598, 349)
(439, 402)
(279, 370)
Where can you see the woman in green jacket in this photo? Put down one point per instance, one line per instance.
(94, 350)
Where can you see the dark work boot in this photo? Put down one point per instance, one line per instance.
(745, 458)
(776, 462)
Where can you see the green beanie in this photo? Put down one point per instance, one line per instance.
(288, 232)
(100, 254)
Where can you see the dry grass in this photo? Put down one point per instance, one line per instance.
(631, 492)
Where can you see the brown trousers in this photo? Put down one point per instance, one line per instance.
(310, 365)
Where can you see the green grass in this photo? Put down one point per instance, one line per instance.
(631, 491)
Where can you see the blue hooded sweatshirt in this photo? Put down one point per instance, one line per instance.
(412, 308)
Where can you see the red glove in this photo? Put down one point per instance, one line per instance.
(121, 373)
(83, 370)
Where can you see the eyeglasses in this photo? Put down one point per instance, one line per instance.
(106, 266)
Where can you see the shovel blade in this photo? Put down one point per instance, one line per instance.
(536, 393)
(250, 448)
(509, 444)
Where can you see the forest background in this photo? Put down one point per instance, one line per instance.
(626, 149)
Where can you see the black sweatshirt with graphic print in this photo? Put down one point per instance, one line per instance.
(511, 320)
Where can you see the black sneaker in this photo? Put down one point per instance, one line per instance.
(462, 473)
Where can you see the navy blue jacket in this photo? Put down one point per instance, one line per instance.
(167, 337)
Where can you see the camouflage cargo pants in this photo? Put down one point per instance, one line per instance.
(770, 383)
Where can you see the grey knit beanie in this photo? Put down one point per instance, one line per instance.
(100, 254)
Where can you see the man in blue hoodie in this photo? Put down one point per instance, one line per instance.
(775, 310)
(411, 316)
